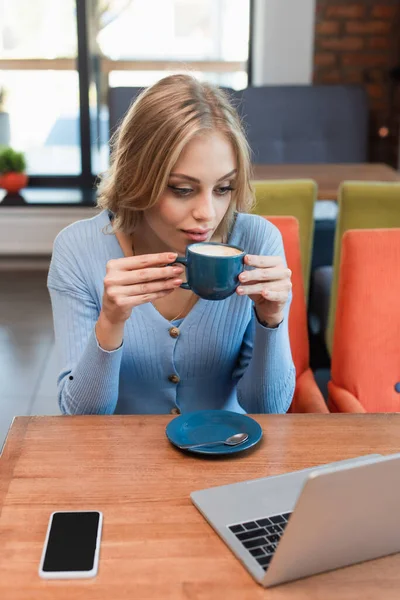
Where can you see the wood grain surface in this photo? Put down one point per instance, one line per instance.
(155, 543)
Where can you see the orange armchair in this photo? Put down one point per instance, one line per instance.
(365, 370)
(307, 396)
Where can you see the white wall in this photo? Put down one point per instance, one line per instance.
(283, 44)
(30, 231)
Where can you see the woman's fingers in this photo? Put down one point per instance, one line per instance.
(117, 278)
(272, 286)
(266, 274)
(142, 261)
(143, 289)
(264, 262)
(280, 297)
(123, 302)
(137, 300)
(136, 280)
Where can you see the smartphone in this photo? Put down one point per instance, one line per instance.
(72, 546)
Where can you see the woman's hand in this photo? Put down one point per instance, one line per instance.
(135, 280)
(268, 285)
(129, 282)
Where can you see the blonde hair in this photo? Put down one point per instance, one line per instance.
(156, 128)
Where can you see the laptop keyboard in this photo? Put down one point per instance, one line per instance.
(261, 537)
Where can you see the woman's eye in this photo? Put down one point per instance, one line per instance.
(222, 191)
(180, 191)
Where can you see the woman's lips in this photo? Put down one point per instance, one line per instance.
(197, 236)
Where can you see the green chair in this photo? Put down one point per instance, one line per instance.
(292, 197)
(362, 205)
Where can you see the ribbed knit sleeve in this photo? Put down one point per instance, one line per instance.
(265, 372)
(88, 382)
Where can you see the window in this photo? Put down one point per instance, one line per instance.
(58, 113)
(186, 31)
(39, 84)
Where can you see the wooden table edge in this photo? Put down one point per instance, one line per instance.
(10, 453)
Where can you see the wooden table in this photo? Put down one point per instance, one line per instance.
(328, 176)
(155, 544)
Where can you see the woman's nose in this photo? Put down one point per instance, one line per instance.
(204, 209)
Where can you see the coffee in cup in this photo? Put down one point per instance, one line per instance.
(215, 250)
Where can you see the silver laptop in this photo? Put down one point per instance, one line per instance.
(297, 524)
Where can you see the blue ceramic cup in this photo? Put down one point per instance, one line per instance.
(212, 269)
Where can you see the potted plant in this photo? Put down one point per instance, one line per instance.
(12, 167)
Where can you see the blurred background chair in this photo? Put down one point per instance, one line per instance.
(291, 198)
(307, 396)
(365, 374)
(305, 123)
(361, 205)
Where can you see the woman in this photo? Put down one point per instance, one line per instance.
(130, 339)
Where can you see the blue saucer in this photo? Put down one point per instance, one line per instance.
(210, 425)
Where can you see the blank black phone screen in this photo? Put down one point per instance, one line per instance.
(72, 542)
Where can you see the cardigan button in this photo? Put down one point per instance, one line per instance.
(397, 387)
(174, 379)
(174, 332)
(175, 411)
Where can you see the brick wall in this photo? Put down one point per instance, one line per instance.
(359, 42)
